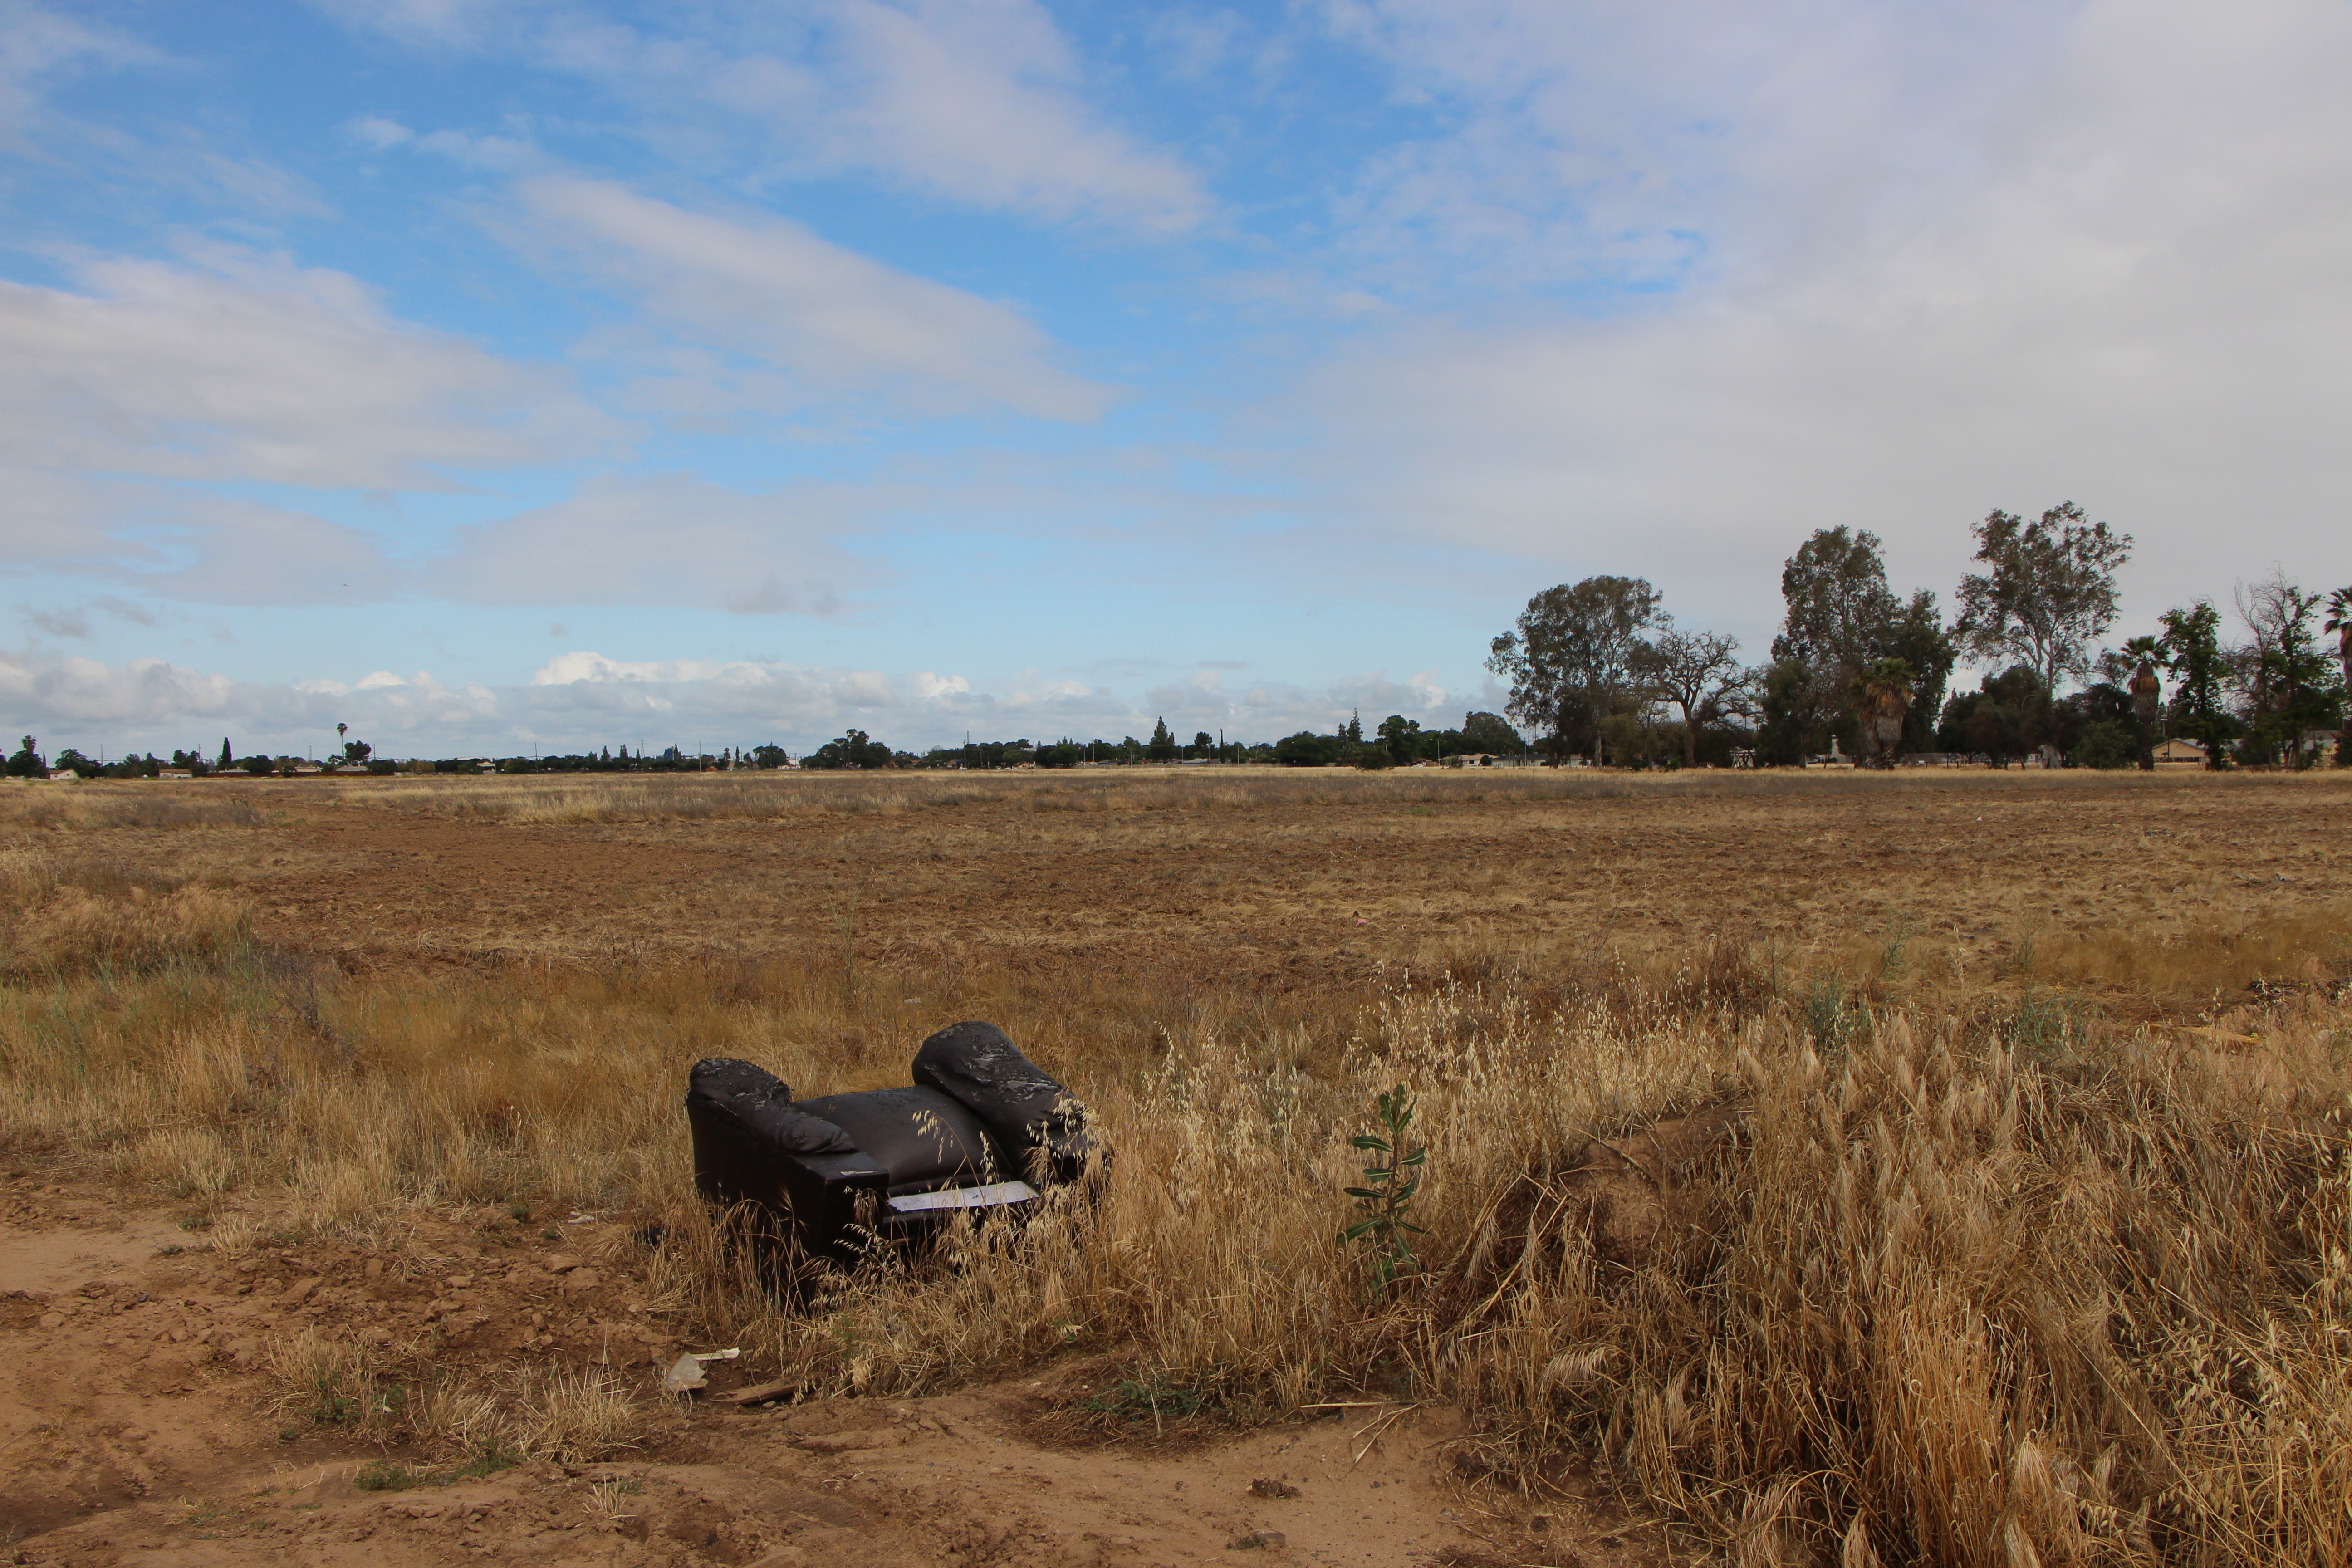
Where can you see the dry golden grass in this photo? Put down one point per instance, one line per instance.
(1993, 1269)
(548, 798)
(1305, 881)
(568, 1415)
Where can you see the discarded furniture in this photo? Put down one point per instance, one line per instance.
(981, 1127)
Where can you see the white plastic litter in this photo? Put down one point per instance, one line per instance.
(991, 1196)
(685, 1372)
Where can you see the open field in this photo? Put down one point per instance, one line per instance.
(1994, 1218)
(1283, 881)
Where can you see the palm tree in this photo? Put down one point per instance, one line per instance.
(1882, 694)
(2339, 621)
(2146, 694)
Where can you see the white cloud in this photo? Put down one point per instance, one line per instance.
(142, 694)
(379, 132)
(930, 686)
(37, 44)
(1617, 145)
(2120, 281)
(565, 669)
(581, 700)
(830, 319)
(217, 550)
(243, 366)
(979, 102)
(665, 540)
(976, 101)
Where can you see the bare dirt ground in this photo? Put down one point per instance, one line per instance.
(136, 1428)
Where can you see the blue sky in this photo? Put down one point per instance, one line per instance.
(499, 374)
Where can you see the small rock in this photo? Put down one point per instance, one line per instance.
(1267, 1487)
(581, 1280)
(301, 1289)
(1258, 1540)
(460, 1281)
(53, 1319)
(559, 1263)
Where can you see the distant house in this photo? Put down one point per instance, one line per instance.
(2180, 753)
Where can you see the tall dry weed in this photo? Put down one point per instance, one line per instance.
(1934, 1301)
(63, 911)
(401, 1397)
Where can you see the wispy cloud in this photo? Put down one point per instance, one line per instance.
(665, 540)
(234, 364)
(983, 103)
(40, 44)
(2097, 296)
(74, 621)
(825, 320)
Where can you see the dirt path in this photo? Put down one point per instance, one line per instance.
(136, 1427)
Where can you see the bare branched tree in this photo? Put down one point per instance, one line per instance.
(1689, 669)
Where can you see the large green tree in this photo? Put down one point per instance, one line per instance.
(1401, 736)
(1569, 658)
(2193, 653)
(1492, 734)
(1917, 636)
(1836, 604)
(2008, 716)
(855, 749)
(2047, 591)
(1840, 617)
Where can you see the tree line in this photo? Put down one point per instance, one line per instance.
(1598, 668)
(1395, 742)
